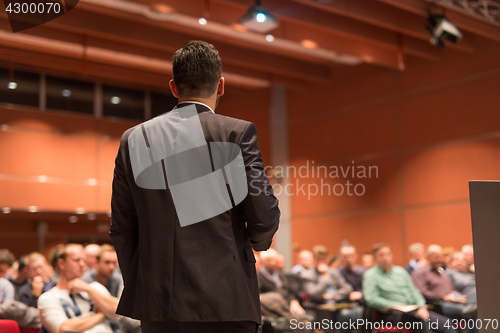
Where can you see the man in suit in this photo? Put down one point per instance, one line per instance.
(182, 273)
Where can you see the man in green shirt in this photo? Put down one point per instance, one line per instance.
(390, 289)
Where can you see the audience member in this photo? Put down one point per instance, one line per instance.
(271, 280)
(7, 259)
(322, 283)
(437, 289)
(468, 252)
(74, 305)
(19, 278)
(463, 281)
(387, 286)
(325, 285)
(53, 256)
(447, 252)
(305, 260)
(104, 271)
(352, 272)
(280, 262)
(417, 255)
(367, 260)
(38, 282)
(6, 289)
(91, 251)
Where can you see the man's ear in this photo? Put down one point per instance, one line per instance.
(60, 263)
(172, 87)
(220, 86)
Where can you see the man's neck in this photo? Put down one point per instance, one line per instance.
(63, 283)
(209, 102)
(387, 270)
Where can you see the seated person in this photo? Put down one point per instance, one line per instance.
(271, 280)
(417, 255)
(74, 305)
(325, 285)
(436, 287)
(468, 252)
(463, 281)
(19, 276)
(447, 253)
(306, 261)
(387, 286)
(6, 289)
(38, 281)
(352, 272)
(367, 260)
(322, 283)
(105, 273)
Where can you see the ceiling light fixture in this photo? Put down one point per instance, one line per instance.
(259, 19)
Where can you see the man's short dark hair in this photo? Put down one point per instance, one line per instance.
(196, 69)
(377, 247)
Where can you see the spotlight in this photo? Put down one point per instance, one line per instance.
(202, 21)
(115, 100)
(259, 19)
(66, 92)
(439, 27)
(270, 38)
(12, 85)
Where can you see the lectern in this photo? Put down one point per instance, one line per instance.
(485, 215)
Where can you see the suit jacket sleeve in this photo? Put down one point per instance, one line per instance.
(260, 207)
(124, 227)
(314, 286)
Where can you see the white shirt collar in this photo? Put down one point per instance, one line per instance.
(196, 102)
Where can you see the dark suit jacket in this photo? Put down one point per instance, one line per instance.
(203, 272)
(287, 290)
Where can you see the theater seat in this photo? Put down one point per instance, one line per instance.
(8, 326)
(29, 330)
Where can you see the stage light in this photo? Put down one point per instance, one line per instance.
(440, 27)
(6, 210)
(12, 85)
(258, 19)
(270, 38)
(115, 100)
(202, 21)
(66, 92)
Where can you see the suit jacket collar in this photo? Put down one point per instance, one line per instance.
(200, 107)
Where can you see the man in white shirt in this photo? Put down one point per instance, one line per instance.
(74, 305)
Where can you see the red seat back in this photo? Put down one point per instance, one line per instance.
(8, 326)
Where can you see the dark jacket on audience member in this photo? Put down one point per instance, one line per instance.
(287, 290)
(24, 292)
(433, 284)
(315, 285)
(354, 277)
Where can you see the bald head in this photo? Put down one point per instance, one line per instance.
(269, 259)
(435, 256)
